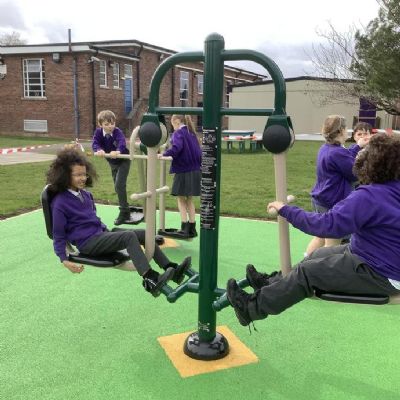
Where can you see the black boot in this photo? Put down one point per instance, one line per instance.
(192, 229)
(258, 279)
(153, 281)
(184, 229)
(179, 270)
(124, 215)
(239, 300)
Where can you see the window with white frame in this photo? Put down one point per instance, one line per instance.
(128, 88)
(34, 78)
(184, 88)
(200, 86)
(103, 73)
(115, 75)
(128, 71)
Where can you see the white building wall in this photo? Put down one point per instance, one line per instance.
(304, 104)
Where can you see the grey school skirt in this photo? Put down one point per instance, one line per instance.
(186, 184)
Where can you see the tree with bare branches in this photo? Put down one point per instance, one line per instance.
(11, 39)
(363, 62)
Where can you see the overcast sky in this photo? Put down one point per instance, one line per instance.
(284, 30)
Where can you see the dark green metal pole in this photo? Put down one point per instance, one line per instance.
(212, 97)
(206, 343)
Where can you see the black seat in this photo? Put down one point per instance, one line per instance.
(106, 260)
(353, 298)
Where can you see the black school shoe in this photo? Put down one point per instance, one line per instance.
(180, 270)
(122, 217)
(256, 279)
(153, 281)
(192, 229)
(239, 300)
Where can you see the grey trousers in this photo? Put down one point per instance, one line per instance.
(109, 242)
(330, 269)
(119, 174)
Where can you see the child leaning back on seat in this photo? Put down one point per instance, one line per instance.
(368, 265)
(75, 221)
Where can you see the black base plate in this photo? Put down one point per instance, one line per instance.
(207, 351)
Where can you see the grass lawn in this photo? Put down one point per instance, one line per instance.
(18, 141)
(247, 181)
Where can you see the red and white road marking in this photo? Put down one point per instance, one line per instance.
(18, 149)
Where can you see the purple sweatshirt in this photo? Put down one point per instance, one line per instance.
(114, 142)
(354, 149)
(371, 214)
(334, 174)
(185, 151)
(74, 221)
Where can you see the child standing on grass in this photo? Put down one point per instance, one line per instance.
(75, 221)
(186, 165)
(108, 139)
(361, 130)
(335, 177)
(369, 265)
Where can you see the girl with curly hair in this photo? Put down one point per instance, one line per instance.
(368, 265)
(75, 221)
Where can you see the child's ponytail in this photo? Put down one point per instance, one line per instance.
(189, 123)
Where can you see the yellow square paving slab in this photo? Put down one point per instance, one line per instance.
(239, 354)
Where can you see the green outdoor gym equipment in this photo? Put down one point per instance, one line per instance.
(206, 343)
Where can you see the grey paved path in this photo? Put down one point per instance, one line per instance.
(34, 155)
(24, 157)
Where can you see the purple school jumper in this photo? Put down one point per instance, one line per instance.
(114, 142)
(371, 214)
(334, 174)
(185, 151)
(74, 221)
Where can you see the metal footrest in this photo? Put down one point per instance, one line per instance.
(174, 233)
(136, 217)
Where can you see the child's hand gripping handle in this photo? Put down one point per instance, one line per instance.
(275, 206)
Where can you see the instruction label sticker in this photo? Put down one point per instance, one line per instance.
(208, 194)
